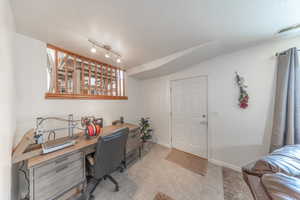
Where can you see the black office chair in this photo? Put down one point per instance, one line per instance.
(109, 156)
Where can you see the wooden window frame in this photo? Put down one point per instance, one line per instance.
(100, 74)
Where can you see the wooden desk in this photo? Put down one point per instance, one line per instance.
(54, 162)
(35, 156)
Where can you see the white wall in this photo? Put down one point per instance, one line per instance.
(236, 136)
(7, 91)
(31, 86)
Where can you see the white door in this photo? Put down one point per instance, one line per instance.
(189, 115)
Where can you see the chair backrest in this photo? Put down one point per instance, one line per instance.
(110, 152)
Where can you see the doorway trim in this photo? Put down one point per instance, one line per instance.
(208, 115)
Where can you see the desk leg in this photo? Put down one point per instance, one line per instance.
(31, 180)
(125, 160)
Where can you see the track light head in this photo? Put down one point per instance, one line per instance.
(93, 50)
(107, 55)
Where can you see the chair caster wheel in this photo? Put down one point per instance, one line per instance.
(117, 189)
(91, 197)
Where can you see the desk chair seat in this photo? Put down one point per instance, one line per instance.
(109, 157)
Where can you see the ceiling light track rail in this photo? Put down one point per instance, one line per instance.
(109, 52)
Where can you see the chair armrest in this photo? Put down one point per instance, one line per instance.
(282, 187)
(91, 160)
(256, 187)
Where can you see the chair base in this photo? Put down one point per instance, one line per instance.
(91, 197)
(93, 183)
(113, 181)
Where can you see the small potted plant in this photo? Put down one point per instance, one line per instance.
(145, 130)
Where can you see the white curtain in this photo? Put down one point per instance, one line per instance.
(287, 101)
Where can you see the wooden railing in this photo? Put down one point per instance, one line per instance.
(72, 76)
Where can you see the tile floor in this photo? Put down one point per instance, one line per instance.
(154, 174)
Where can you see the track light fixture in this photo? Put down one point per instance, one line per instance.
(109, 53)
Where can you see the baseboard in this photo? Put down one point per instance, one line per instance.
(224, 164)
(163, 144)
(214, 161)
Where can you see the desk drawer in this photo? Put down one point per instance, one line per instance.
(133, 141)
(57, 173)
(59, 184)
(61, 161)
(55, 178)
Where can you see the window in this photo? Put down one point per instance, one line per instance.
(71, 76)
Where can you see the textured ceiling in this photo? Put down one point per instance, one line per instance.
(143, 30)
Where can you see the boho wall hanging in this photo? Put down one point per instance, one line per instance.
(244, 97)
